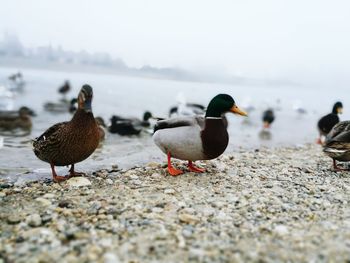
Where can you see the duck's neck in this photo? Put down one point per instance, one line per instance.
(82, 117)
(214, 137)
(212, 112)
(335, 110)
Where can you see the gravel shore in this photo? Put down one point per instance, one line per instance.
(266, 205)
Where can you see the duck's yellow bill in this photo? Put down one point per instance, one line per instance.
(237, 110)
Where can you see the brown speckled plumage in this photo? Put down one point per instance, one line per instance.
(71, 142)
(67, 143)
(337, 145)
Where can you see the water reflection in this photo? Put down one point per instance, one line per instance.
(265, 135)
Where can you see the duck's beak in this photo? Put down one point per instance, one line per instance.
(237, 110)
(340, 110)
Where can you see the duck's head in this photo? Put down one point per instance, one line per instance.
(221, 104)
(114, 119)
(147, 115)
(338, 108)
(26, 111)
(85, 98)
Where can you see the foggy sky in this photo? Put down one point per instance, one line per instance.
(303, 40)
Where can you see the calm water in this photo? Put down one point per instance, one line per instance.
(129, 96)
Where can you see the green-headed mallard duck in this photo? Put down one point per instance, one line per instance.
(196, 138)
(67, 143)
(337, 145)
(327, 122)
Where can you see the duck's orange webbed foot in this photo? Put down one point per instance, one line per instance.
(195, 169)
(58, 178)
(72, 173)
(172, 171)
(76, 174)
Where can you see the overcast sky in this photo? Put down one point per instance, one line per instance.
(293, 39)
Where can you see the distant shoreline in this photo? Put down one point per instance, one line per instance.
(148, 72)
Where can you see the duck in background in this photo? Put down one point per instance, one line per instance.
(57, 107)
(21, 119)
(64, 89)
(16, 82)
(196, 138)
(268, 117)
(63, 105)
(327, 122)
(16, 77)
(188, 109)
(337, 144)
(129, 126)
(184, 108)
(68, 143)
(72, 105)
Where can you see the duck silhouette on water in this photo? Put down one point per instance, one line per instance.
(129, 126)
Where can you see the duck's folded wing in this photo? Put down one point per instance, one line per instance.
(341, 141)
(339, 133)
(195, 105)
(179, 122)
(51, 131)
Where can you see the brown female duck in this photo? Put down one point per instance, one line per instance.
(67, 143)
(196, 138)
(337, 145)
(21, 119)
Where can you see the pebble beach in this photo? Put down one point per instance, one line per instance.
(280, 204)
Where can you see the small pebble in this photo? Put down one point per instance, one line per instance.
(78, 182)
(34, 220)
(169, 191)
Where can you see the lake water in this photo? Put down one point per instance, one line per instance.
(131, 96)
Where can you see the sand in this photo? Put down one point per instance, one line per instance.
(264, 205)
